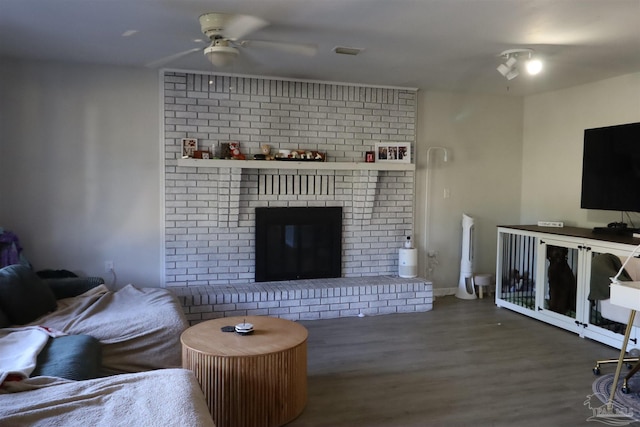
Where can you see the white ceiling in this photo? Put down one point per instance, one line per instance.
(448, 45)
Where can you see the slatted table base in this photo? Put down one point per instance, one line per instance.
(251, 390)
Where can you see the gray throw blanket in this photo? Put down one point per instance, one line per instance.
(139, 329)
(166, 397)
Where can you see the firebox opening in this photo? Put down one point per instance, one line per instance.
(298, 243)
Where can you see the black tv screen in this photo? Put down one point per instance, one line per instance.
(611, 168)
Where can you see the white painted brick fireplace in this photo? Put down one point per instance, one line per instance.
(209, 211)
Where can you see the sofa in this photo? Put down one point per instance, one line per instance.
(89, 355)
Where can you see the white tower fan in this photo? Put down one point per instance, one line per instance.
(466, 261)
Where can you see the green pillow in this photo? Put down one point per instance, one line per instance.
(74, 357)
(24, 297)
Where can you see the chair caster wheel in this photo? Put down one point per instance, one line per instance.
(625, 389)
(596, 371)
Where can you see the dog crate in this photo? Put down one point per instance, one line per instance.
(560, 284)
(546, 274)
(595, 315)
(517, 268)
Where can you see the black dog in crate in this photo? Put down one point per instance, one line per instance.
(562, 281)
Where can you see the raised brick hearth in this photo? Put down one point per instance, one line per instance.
(308, 299)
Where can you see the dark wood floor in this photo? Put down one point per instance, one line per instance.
(464, 363)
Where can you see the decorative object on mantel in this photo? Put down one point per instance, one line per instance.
(393, 152)
(225, 151)
(301, 155)
(189, 147)
(369, 157)
(266, 152)
(200, 154)
(236, 154)
(296, 164)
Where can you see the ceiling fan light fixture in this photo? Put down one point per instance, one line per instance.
(221, 56)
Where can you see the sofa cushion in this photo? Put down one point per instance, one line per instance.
(74, 357)
(4, 320)
(72, 286)
(23, 295)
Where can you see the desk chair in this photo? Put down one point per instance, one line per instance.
(603, 267)
(608, 265)
(617, 314)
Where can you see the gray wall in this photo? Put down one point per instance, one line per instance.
(554, 125)
(483, 135)
(79, 166)
(80, 178)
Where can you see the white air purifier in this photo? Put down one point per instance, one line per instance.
(465, 286)
(408, 263)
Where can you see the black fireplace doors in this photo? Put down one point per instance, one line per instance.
(298, 243)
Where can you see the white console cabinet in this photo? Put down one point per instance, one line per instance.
(522, 279)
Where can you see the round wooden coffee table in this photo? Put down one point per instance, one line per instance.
(249, 380)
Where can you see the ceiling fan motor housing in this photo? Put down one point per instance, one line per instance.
(213, 24)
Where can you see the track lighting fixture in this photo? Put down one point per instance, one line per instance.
(509, 69)
(513, 57)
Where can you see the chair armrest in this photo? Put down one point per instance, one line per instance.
(72, 286)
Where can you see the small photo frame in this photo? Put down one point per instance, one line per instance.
(200, 154)
(369, 157)
(395, 152)
(189, 147)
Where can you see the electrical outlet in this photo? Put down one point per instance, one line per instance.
(108, 266)
(446, 193)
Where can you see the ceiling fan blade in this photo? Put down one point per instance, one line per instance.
(242, 25)
(170, 58)
(306, 49)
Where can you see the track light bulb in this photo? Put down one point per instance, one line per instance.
(534, 66)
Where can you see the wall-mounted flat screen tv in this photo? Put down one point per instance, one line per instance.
(611, 168)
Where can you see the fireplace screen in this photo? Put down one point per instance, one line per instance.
(298, 243)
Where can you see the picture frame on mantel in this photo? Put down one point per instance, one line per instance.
(393, 152)
(189, 147)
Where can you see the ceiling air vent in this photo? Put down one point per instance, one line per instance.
(342, 50)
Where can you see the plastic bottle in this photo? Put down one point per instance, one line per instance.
(407, 243)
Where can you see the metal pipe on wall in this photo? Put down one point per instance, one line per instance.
(427, 204)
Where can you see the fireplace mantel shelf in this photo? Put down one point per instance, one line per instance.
(365, 181)
(267, 164)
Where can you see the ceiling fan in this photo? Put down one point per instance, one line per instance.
(226, 33)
